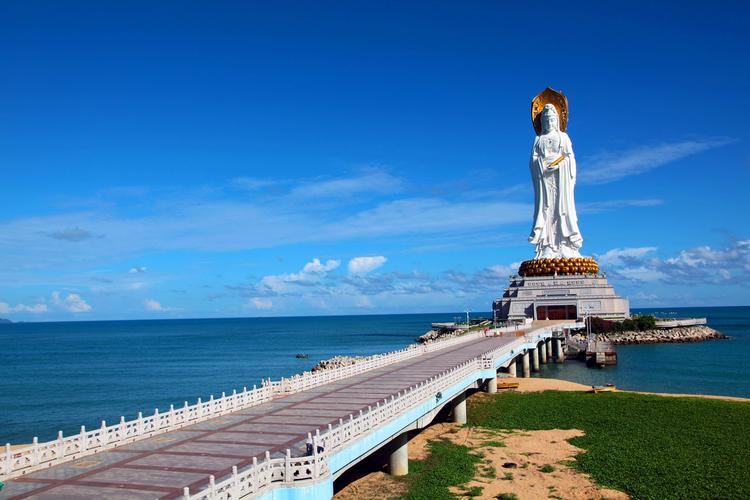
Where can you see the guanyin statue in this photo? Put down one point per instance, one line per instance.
(555, 230)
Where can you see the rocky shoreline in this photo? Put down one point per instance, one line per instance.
(336, 362)
(663, 336)
(434, 335)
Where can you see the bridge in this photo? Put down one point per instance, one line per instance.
(287, 439)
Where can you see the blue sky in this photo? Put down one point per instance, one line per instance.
(188, 159)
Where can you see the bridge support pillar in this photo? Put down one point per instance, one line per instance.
(459, 408)
(492, 385)
(526, 370)
(512, 368)
(534, 359)
(559, 354)
(399, 459)
(548, 348)
(542, 353)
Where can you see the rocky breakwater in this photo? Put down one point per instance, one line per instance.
(662, 335)
(434, 335)
(336, 362)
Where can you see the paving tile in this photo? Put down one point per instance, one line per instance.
(242, 450)
(134, 477)
(214, 464)
(81, 466)
(307, 411)
(275, 428)
(75, 492)
(253, 437)
(160, 441)
(13, 488)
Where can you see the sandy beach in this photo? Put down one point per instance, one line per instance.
(552, 384)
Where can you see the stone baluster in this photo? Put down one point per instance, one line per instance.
(60, 445)
(103, 435)
(8, 459)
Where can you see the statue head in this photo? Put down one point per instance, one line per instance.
(550, 119)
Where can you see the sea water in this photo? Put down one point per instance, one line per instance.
(709, 367)
(64, 375)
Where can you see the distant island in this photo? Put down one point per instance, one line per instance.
(3, 320)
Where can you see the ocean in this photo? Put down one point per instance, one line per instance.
(64, 375)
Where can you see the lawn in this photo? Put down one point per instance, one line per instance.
(447, 465)
(650, 447)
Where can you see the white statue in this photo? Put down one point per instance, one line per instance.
(553, 171)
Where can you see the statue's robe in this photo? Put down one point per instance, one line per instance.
(555, 231)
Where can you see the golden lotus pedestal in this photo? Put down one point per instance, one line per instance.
(575, 266)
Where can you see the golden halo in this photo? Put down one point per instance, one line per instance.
(549, 96)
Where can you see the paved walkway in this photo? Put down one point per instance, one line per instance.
(161, 466)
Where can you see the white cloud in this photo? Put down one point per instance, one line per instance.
(315, 266)
(72, 234)
(612, 166)
(276, 284)
(646, 297)
(428, 215)
(137, 270)
(312, 272)
(364, 302)
(646, 274)
(260, 303)
(155, 306)
(72, 303)
(503, 271)
(33, 308)
(616, 256)
(252, 183)
(206, 222)
(370, 181)
(595, 207)
(702, 264)
(364, 265)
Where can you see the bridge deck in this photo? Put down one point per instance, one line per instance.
(161, 466)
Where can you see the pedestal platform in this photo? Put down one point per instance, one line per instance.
(568, 296)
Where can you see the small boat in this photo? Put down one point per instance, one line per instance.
(603, 388)
(302, 356)
(507, 385)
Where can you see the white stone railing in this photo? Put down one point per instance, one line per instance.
(15, 462)
(20, 461)
(287, 471)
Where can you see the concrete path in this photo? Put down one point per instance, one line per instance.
(161, 466)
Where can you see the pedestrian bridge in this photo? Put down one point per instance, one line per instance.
(286, 439)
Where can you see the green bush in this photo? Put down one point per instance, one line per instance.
(634, 324)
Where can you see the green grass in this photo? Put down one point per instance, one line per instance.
(507, 496)
(474, 491)
(494, 444)
(650, 447)
(547, 469)
(447, 465)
